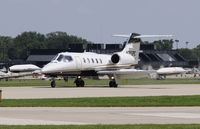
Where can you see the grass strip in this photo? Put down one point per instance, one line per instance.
(149, 101)
(172, 126)
(90, 82)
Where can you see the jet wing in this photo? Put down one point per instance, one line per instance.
(17, 75)
(128, 73)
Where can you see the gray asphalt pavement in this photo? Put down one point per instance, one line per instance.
(82, 116)
(73, 92)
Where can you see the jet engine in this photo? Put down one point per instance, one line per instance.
(121, 58)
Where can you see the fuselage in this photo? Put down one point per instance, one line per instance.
(74, 63)
(170, 71)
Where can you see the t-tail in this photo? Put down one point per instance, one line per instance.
(132, 45)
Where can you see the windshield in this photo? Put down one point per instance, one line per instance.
(63, 58)
(54, 58)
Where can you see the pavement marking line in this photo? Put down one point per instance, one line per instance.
(171, 115)
(14, 121)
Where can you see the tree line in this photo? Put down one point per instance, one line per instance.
(188, 54)
(18, 47)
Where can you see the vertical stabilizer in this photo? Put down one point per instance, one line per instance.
(132, 46)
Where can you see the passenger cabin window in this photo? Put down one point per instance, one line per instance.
(63, 58)
(97, 61)
(88, 60)
(92, 60)
(100, 61)
(84, 60)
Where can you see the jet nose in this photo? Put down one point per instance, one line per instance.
(46, 69)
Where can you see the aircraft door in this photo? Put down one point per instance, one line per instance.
(78, 62)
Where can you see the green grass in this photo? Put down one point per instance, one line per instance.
(149, 101)
(90, 82)
(183, 126)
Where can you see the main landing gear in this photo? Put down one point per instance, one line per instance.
(53, 83)
(161, 77)
(79, 82)
(113, 82)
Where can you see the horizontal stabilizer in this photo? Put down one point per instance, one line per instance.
(121, 35)
(153, 36)
(142, 36)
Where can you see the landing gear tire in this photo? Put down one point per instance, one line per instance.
(53, 84)
(82, 83)
(113, 83)
(79, 82)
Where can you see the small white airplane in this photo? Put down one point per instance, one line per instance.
(17, 71)
(23, 68)
(163, 72)
(117, 65)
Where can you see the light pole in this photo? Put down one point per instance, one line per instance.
(177, 41)
(186, 44)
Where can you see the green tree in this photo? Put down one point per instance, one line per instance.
(5, 43)
(18, 47)
(61, 40)
(27, 41)
(164, 45)
(188, 54)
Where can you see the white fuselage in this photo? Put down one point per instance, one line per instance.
(24, 68)
(170, 71)
(68, 62)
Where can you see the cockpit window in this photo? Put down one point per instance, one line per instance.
(63, 58)
(69, 58)
(60, 58)
(54, 58)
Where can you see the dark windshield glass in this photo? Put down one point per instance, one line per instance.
(60, 58)
(63, 58)
(68, 58)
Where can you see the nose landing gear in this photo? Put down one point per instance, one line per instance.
(113, 82)
(79, 82)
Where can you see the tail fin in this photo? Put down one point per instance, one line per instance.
(132, 45)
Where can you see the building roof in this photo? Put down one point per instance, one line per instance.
(40, 58)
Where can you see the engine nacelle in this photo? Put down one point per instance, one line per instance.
(121, 58)
(115, 58)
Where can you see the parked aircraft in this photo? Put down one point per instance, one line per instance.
(117, 65)
(23, 68)
(17, 71)
(163, 72)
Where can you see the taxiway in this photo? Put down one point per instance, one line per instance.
(108, 115)
(98, 91)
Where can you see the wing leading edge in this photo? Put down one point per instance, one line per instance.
(128, 73)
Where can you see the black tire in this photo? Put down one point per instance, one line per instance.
(82, 83)
(77, 85)
(53, 84)
(79, 82)
(113, 83)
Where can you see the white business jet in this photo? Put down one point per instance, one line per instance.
(17, 71)
(163, 72)
(117, 65)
